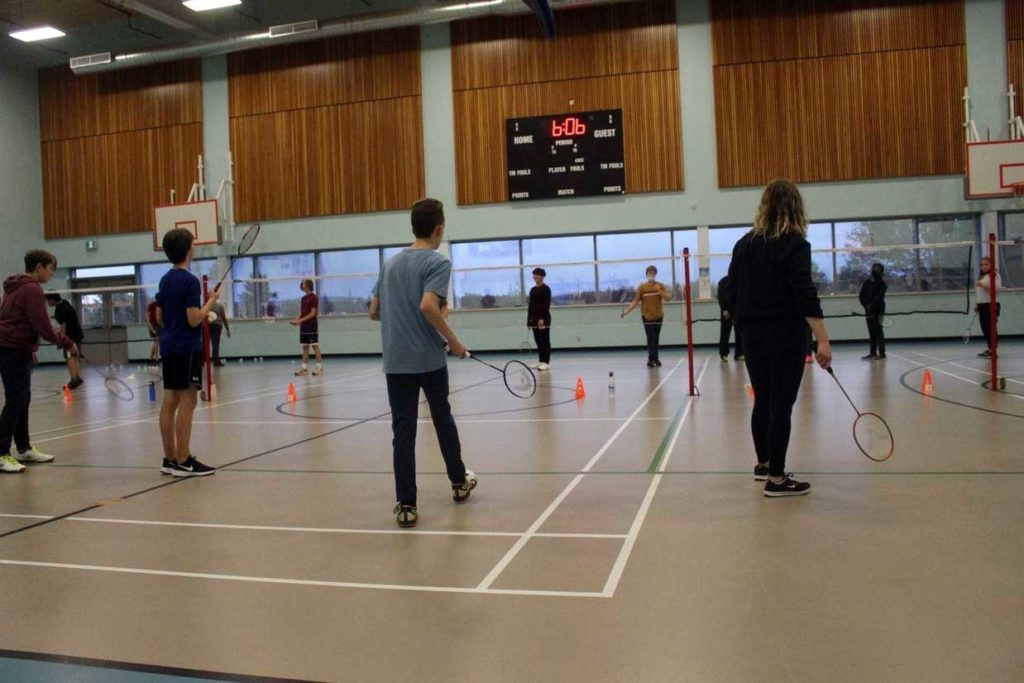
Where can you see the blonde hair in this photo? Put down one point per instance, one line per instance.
(781, 211)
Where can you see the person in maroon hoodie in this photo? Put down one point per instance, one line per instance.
(23, 320)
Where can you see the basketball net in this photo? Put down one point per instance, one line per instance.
(1018, 195)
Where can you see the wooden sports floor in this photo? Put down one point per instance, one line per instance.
(609, 539)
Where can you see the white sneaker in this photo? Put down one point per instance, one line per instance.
(543, 366)
(319, 370)
(9, 464)
(32, 455)
(302, 372)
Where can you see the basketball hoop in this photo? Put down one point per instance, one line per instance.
(1018, 193)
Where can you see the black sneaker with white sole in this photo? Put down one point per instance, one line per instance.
(788, 487)
(191, 468)
(406, 515)
(167, 467)
(460, 492)
(760, 472)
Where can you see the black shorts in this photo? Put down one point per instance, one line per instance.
(183, 371)
(154, 333)
(309, 337)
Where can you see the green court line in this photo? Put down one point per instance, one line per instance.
(659, 454)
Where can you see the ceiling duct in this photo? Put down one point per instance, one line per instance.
(337, 27)
(292, 29)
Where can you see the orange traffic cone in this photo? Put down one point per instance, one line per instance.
(580, 391)
(291, 392)
(750, 390)
(927, 386)
(67, 394)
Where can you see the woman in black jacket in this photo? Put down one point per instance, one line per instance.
(872, 298)
(775, 301)
(538, 317)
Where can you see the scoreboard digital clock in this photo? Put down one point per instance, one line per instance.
(565, 155)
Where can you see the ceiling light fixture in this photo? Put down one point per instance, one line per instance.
(39, 33)
(206, 5)
(470, 5)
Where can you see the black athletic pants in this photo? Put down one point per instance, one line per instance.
(543, 340)
(16, 371)
(775, 351)
(404, 397)
(876, 334)
(985, 318)
(215, 332)
(652, 328)
(723, 339)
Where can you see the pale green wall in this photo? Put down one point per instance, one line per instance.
(702, 203)
(21, 204)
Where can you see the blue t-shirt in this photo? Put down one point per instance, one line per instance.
(179, 290)
(410, 342)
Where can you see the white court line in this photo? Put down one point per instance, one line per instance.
(427, 420)
(987, 373)
(972, 382)
(532, 531)
(303, 582)
(634, 531)
(300, 529)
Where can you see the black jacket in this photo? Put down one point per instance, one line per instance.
(872, 296)
(725, 300)
(771, 279)
(540, 306)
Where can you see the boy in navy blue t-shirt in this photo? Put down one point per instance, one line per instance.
(180, 312)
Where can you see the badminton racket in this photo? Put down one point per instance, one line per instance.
(244, 245)
(888, 321)
(519, 379)
(115, 386)
(871, 432)
(967, 330)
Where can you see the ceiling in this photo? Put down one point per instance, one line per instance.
(134, 25)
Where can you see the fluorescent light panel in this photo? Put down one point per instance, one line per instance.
(206, 5)
(39, 33)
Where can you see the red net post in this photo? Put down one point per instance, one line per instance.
(687, 295)
(207, 364)
(993, 337)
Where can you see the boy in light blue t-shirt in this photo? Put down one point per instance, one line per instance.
(407, 300)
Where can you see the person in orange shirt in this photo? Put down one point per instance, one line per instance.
(650, 297)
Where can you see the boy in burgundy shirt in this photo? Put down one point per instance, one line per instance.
(23, 320)
(309, 333)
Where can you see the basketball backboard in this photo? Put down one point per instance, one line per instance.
(993, 168)
(200, 218)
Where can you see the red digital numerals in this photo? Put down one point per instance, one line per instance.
(569, 127)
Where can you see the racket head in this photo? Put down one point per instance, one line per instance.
(248, 239)
(525, 347)
(118, 388)
(519, 379)
(888, 321)
(873, 437)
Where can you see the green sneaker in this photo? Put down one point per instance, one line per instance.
(9, 464)
(32, 455)
(405, 515)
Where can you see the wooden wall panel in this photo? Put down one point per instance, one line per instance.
(105, 184)
(896, 114)
(317, 161)
(1014, 19)
(1015, 49)
(651, 121)
(111, 102)
(602, 41)
(355, 68)
(612, 57)
(758, 31)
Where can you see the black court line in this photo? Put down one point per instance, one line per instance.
(145, 668)
(178, 480)
(903, 381)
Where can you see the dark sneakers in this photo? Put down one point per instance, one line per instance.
(405, 515)
(191, 468)
(167, 467)
(460, 492)
(760, 472)
(789, 487)
(75, 383)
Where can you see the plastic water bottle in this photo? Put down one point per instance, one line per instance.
(152, 391)
(611, 384)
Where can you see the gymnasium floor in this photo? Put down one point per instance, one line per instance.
(609, 539)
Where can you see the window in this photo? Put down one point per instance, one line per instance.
(852, 268)
(207, 267)
(244, 292)
(391, 251)
(497, 280)
(346, 280)
(946, 268)
(570, 284)
(685, 239)
(104, 271)
(720, 244)
(279, 296)
(618, 277)
(822, 264)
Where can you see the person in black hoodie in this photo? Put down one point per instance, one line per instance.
(23, 320)
(538, 317)
(775, 301)
(725, 303)
(872, 298)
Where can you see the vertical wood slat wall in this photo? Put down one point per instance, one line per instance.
(831, 91)
(115, 144)
(618, 56)
(327, 127)
(1015, 49)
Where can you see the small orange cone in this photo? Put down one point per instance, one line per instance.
(927, 386)
(291, 392)
(750, 390)
(67, 394)
(580, 391)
